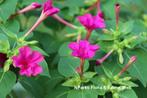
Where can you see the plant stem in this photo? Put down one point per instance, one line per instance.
(64, 22)
(91, 7)
(88, 34)
(104, 58)
(40, 19)
(98, 6)
(82, 61)
(117, 11)
(132, 60)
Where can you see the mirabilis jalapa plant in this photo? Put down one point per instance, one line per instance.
(29, 61)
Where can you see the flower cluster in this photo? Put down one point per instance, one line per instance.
(28, 61)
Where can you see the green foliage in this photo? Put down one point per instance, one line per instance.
(7, 81)
(60, 78)
(7, 8)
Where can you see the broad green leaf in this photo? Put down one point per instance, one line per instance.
(65, 50)
(87, 76)
(127, 27)
(128, 94)
(45, 69)
(49, 43)
(8, 32)
(4, 43)
(13, 26)
(40, 50)
(6, 83)
(76, 81)
(141, 91)
(34, 86)
(82, 94)
(7, 8)
(44, 87)
(107, 72)
(138, 69)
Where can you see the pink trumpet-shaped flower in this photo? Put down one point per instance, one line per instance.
(49, 9)
(32, 6)
(36, 5)
(28, 61)
(92, 22)
(83, 49)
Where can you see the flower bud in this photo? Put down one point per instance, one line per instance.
(117, 11)
(132, 59)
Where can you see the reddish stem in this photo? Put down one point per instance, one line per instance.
(64, 22)
(117, 11)
(40, 19)
(88, 34)
(104, 58)
(132, 60)
(82, 61)
(91, 7)
(98, 6)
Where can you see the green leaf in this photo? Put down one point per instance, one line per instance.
(44, 87)
(67, 66)
(127, 27)
(87, 76)
(8, 32)
(7, 8)
(45, 69)
(128, 94)
(4, 43)
(34, 82)
(82, 94)
(107, 72)
(6, 83)
(138, 69)
(76, 81)
(13, 26)
(40, 50)
(64, 50)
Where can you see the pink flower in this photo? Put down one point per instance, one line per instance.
(92, 22)
(48, 8)
(3, 58)
(83, 49)
(28, 61)
(30, 7)
(36, 5)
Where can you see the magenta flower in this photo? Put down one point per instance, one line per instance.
(83, 49)
(36, 5)
(3, 58)
(30, 7)
(28, 61)
(92, 22)
(48, 8)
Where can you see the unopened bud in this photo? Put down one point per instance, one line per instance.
(117, 11)
(132, 59)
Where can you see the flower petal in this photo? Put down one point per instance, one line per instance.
(35, 57)
(36, 70)
(25, 51)
(73, 46)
